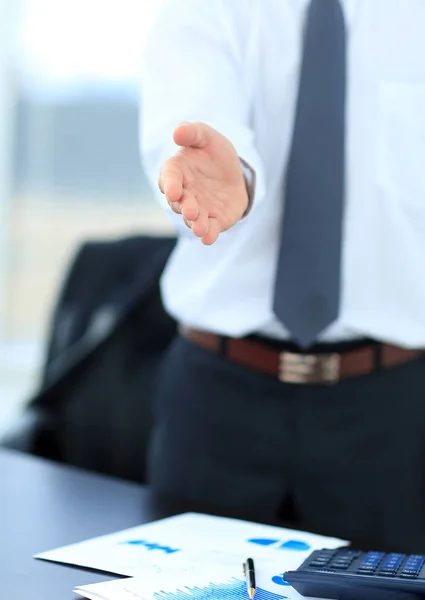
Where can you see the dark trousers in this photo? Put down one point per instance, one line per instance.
(351, 456)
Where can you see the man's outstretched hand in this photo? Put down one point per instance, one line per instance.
(204, 181)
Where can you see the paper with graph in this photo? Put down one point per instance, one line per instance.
(186, 541)
(204, 583)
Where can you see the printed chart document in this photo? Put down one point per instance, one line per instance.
(185, 541)
(204, 583)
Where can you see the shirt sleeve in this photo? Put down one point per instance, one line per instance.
(194, 70)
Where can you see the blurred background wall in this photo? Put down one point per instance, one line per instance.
(69, 161)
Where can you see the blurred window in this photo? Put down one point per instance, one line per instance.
(76, 167)
(69, 158)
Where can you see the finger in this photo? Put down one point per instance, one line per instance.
(171, 181)
(201, 225)
(213, 232)
(176, 207)
(193, 135)
(189, 207)
(187, 223)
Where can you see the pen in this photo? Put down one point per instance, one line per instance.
(249, 572)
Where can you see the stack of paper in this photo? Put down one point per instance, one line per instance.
(192, 556)
(206, 583)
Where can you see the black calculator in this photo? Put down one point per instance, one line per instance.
(347, 574)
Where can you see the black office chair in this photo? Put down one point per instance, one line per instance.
(108, 333)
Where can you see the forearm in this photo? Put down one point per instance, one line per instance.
(194, 77)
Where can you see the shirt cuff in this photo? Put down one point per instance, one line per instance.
(249, 176)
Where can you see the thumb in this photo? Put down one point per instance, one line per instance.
(193, 135)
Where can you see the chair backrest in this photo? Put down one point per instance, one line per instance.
(108, 333)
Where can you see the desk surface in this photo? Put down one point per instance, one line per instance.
(44, 506)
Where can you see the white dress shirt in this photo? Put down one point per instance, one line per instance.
(234, 64)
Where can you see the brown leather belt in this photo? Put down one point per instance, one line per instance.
(294, 367)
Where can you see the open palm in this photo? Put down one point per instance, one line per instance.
(204, 181)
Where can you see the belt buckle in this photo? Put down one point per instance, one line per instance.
(309, 368)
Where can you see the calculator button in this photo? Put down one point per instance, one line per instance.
(370, 562)
(393, 557)
(321, 557)
(319, 563)
(340, 565)
(351, 554)
(366, 571)
(414, 562)
(409, 574)
(410, 571)
(391, 564)
(373, 557)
